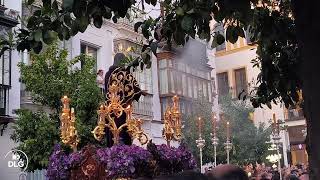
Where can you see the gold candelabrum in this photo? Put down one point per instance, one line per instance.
(107, 115)
(69, 134)
(172, 122)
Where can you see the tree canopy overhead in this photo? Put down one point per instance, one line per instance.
(268, 23)
(284, 37)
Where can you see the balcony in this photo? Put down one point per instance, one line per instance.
(143, 107)
(294, 114)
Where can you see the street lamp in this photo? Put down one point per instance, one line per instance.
(214, 139)
(200, 142)
(276, 139)
(228, 144)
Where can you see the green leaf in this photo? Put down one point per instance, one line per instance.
(232, 34)
(145, 33)
(97, 21)
(220, 39)
(154, 2)
(136, 26)
(214, 43)
(67, 4)
(115, 19)
(30, 2)
(154, 47)
(37, 35)
(37, 47)
(67, 20)
(191, 11)
(107, 13)
(49, 36)
(179, 11)
(83, 23)
(187, 23)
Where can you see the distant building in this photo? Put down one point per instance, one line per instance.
(236, 74)
(296, 135)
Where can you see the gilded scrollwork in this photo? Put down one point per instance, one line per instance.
(121, 90)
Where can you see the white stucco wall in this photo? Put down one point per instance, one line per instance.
(242, 59)
(102, 39)
(14, 103)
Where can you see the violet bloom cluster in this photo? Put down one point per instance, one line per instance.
(172, 160)
(124, 161)
(58, 168)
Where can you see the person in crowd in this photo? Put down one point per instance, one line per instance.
(304, 176)
(275, 175)
(100, 80)
(227, 172)
(185, 175)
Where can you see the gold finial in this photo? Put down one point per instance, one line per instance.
(172, 122)
(69, 134)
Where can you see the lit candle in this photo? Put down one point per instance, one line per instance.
(199, 125)
(274, 118)
(214, 124)
(274, 123)
(228, 131)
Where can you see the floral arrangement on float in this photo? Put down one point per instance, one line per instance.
(118, 161)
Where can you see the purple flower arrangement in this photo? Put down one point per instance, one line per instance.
(124, 161)
(171, 160)
(59, 165)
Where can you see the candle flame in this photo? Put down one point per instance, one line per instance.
(274, 117)
(228, 123)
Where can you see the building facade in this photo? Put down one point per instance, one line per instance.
(9, 86)
(236, 75)
(296, 135)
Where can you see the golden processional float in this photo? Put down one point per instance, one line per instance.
(112, 109)
(107, 114)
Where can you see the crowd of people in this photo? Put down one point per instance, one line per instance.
(263, 172)
(232, 172)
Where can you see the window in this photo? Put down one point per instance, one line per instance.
(90, 51)
(184, 85)
(172, 82)
(223, 83)
(241, 80)
(209, 92)
(205, 89)
(163, 63)
(195, 88)
(5, 81)
(144, 79)
(5, 68)
(163, 77)
(178, 82)
(190, 85)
